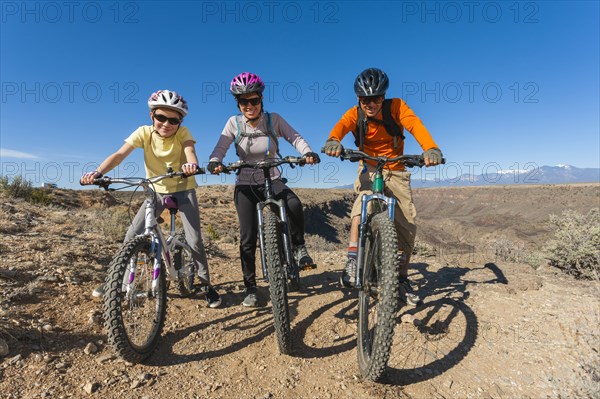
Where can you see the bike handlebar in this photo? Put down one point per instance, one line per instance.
(408, 160)
(264, 164)
(106, 181)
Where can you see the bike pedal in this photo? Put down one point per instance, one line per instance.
(310, 266)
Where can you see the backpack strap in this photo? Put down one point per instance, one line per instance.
(270, 134)
(362, 124)
(391, 126)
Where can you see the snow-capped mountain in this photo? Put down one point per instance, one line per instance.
(448, 175)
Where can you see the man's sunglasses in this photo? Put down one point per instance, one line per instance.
(245, 101)
(371, 99)
(163, 118)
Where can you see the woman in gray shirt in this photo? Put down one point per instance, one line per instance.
(256, 134)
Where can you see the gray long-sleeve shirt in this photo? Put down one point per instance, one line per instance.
(255, 144)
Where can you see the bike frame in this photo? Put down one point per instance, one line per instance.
(162, 247)
(292, 267)
(378, 196)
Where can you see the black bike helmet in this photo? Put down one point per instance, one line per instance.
(371, 82)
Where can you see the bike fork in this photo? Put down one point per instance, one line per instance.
(156, 248)
(362, 229)
(261, 239)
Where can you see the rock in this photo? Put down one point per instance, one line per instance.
(136, 384)
(15, 359)
(105, 358)
(4, 350)
(91, 387)
(90, 349)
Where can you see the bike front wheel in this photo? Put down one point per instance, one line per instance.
(277, 281)
(378, 297)
(186, 268)
(134, 312)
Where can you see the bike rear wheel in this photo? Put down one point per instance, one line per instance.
(134, 313)
(378, 297)
(186, 268)
(277, 281)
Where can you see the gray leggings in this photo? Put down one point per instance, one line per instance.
(190, 218)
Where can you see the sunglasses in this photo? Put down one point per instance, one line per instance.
(245, 101)
(163, 118)
(371, 99)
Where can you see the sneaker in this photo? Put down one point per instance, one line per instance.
(407, 293)
(303, 258)
(98, 291)
(348, 277)
(212, 297)
(250, 301)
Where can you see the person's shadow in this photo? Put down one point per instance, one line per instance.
(443, 330)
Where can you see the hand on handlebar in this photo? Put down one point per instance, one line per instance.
(88, 178)
(333, 148)
(215, 167)
(311, 158)
(433, 157)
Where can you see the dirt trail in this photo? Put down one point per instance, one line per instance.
(485, 330)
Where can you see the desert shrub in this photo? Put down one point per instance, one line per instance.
(212, 233)
(505, 249)
(21, 188)
(111, 223)
(422, 248)
(575, 248)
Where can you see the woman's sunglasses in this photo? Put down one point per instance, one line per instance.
(245, 101)
(163, 118)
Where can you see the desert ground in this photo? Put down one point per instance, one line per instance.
(492, 325)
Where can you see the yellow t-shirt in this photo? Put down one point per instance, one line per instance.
(160, 153)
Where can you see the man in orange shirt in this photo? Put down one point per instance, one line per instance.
(370, 87)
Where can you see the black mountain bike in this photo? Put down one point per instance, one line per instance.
(279, 266)
(377, 268)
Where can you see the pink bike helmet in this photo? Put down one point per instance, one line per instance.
(168, 99)
(246, 82)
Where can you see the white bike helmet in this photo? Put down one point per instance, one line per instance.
(168, 99)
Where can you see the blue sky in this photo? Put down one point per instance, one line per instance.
(513, 84)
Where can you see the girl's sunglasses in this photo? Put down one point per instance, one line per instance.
(245, 101)
(163, 118)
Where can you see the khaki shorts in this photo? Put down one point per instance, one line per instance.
(397, 185)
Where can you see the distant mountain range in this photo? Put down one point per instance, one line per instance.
(558, 174)
(451, 175)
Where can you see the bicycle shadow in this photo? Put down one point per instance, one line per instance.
(445, 329)
(258, 319)
(324, 284)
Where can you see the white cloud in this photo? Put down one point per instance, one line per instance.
(6, 153)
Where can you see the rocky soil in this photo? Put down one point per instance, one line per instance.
(490, 326)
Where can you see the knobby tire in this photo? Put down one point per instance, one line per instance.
(134, 321)
(277, 281)
(378, 298)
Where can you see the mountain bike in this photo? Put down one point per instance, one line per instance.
(135, 299)
(377, 268)
(279, 266)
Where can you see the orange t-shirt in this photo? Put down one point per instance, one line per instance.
(377, 141)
